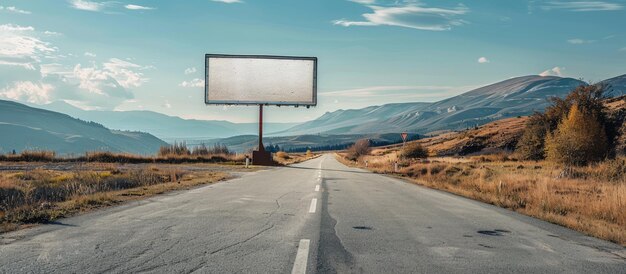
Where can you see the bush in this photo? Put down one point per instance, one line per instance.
(414, 151)
(360, 148)
(309, 153)
(282, 155)
(531, 145)
(578, 140)
(174, 149)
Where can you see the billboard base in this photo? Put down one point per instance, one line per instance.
(262, 158)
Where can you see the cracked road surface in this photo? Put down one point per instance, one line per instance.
(360, 222)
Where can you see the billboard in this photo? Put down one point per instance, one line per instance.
(260, 80)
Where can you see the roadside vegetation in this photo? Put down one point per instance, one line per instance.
(285, 158)
(41, 196)
(567, 165)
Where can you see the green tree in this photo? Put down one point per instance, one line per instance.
(578, 140)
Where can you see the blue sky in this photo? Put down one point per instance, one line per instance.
(148, 54)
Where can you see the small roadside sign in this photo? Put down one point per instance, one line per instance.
(404, 136)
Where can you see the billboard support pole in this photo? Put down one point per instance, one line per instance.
(262, 157)
(261, 146)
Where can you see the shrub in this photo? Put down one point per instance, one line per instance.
(282, 155)
(578, 140)
(414, 151)
(174, 149)
(531, 145)
(360, 148)
(309, 153)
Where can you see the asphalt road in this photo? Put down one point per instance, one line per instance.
(318, 216)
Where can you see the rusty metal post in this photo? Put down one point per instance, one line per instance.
(261, 146)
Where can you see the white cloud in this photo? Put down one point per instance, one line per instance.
(228, 1)
(28, 91)
(578, 41)
(14, 10)
(20, 47)
(555, 71)
(483, 60)
(137, 7)
(87, 5)
(166, 104)
(190, 70)
(52, 33)
(195, 83)
(90, 54)
(580, 6)
(413, 16)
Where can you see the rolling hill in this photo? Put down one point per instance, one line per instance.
(509, 98)
(169, 128)
(27, 128)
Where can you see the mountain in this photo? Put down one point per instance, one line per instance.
(169, 128)
(509, 98)
(23, 127)
(616, 86)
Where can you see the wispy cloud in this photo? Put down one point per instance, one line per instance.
(195, 83)
(19, 46)
(90, 54)
(409, 15)
(190, 70)
(483, 60)
(87, 5)
(228, 1)
(581, 6)
(578, 41)
(555, 71)
(421, 93)
(12, 9)
(137, 7)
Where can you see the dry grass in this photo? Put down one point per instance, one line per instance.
(41, 196)
(589, 199)
(110, 157)
(284, 158)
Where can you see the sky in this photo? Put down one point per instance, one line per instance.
(149, 54)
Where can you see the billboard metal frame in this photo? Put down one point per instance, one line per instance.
(248, 103)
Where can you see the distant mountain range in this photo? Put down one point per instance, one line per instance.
(23, 127)
(168, 128)
(513, 97)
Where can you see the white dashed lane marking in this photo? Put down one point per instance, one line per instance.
(313, 206)
(299, 266)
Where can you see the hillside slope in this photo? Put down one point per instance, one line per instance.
(25, 127)
(509, 98)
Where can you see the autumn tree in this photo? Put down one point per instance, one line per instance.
(579, 139)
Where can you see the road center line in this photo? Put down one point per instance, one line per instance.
(317, 188)
(302, 256)
(313, 205)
